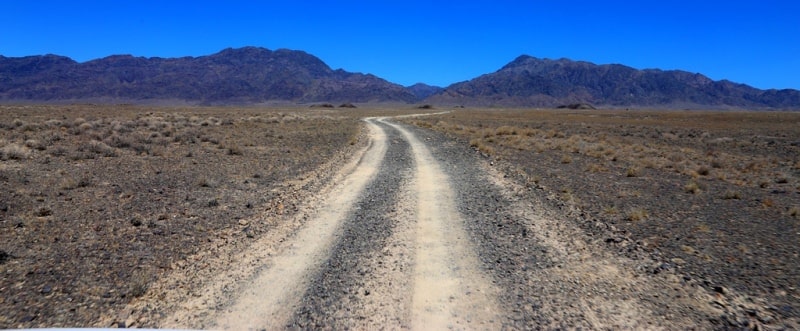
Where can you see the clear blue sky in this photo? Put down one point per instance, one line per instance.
(436, 42)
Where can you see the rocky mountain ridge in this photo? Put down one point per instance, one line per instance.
(253, 75)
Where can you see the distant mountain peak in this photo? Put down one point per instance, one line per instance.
(530, 81)
(233, 75)
(422, 90)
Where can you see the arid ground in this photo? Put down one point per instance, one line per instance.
(248, 217)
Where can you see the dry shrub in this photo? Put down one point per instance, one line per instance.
(703, 171)
(35, 144)
(235, 150)
(632, 172)
(692, 187)
(100, 148)
(14, 151)
(636, 214)
(731, 194)
(70, 183)
(794, 212)
(566, 159)
(505, 130)
(595, 167)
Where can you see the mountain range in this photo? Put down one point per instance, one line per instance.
(257, 75)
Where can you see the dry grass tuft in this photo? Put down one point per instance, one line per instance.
(731, 194)
(632, 172)
(14, 151)
(636, 214)
(691, 187)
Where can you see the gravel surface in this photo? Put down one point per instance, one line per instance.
(338, 290)
(502, 253)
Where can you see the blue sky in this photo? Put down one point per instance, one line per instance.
(436, 42)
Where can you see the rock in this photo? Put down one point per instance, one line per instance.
(662, 267)
(720, 290)
(4, 256)
(243, 222)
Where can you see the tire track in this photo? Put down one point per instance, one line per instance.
(385, 248)
(275, 294)
(450, 290)
(338, 296)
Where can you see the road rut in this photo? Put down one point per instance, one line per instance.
(418, 233)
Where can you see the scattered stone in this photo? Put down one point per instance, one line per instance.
(47, 289)
(243, 222)
(678, 260)
(4, 256)
(44, 212)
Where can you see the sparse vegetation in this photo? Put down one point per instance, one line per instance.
(109, 188)
(636, 214)
(693, 161)
(692, 187)
(731, 194)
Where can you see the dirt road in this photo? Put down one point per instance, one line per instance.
(419, 232)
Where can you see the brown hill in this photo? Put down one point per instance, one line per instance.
(528, 81)
(244, 75)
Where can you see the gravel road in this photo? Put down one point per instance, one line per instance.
(419, 232)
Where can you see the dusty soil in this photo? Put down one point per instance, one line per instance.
(98, 202)
(712, 197)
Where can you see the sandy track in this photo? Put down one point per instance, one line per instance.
(416, 233)
(449, 288)
(384, 247)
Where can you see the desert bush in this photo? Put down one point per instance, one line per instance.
(139, 283)
(118, 141)
(486, 149)
(731, 194)
(566, 159)
(14, 151)
(505, 130)
(207, 182)
(35, 144)
(703, 171)
(100, 148)
(632, 172)
(58, 151)
(235, 150)
(595, 167)
(794, 212)
(636, 214)
(71, 183)
(691, 187)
